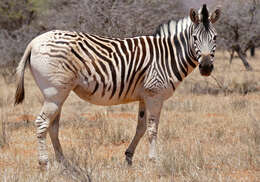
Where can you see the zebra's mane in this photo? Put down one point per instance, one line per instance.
(172, 27)
(205, 16)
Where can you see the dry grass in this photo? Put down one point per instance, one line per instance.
(209, 131)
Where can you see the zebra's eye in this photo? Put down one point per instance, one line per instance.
(195, 37)
(215, 37)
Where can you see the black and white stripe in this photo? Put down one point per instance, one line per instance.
(120, 65)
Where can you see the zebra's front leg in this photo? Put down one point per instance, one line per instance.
(43, 121)
(140, 130)
(153, 111)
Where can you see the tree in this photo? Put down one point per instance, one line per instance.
(22, 20)
(239, 28)
(112, 18)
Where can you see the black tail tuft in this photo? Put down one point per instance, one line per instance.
(19, 94)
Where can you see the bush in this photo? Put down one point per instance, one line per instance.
(15, 13)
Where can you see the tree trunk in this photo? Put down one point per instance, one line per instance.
(242, 56)
(231, 56)
(252, 51)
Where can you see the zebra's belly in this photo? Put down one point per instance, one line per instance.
(101, 97)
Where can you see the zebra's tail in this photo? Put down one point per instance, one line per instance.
(19, 94)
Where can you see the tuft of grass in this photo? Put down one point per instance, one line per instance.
(3, 116)
(254, 150)
(180, 161)
(8, 74)
(111, 132)
(239, 104)
(3, 137)
(244, 87)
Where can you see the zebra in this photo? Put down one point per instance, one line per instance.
(111, 71)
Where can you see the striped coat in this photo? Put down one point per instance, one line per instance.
(109, 71)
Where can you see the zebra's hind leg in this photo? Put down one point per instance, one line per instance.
(50, 110)
(140, 130)
(54, 135)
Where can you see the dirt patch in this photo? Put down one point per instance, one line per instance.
(214, 115)
(247, 175)
(24, 117)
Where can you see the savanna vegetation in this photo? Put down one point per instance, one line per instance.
(209, 129)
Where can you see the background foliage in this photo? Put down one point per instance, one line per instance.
(22, 20)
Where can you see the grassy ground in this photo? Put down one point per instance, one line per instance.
(209, 131)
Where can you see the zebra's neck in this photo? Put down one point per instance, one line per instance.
(177, 36)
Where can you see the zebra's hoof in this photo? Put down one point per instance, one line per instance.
(129, 161)
(43, 165)
(128, 158)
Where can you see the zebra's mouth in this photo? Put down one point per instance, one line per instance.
(206, 66)
(205, 73)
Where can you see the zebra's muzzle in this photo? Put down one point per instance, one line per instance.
(206, 66)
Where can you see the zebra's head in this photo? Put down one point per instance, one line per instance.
(204, 37)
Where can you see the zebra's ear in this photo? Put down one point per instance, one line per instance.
(194, 16)
(214, 16)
